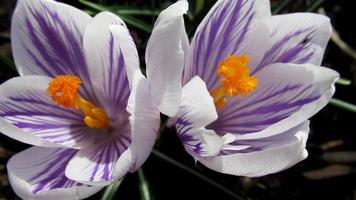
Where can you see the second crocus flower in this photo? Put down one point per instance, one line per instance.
(240, 94)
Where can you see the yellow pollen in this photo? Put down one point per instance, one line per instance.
(64, 91)
(236, 79)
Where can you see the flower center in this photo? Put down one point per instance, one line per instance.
(236, 79)
(64, 91)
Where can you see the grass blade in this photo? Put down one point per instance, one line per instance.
(8, 62)
(130, 20)
(110, 191)
(144, 186)
(94, 6)
(315, 6)
(343, 105)
(343, 81)
(280, 6)
(137, 23)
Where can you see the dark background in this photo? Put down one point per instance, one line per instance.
(329, 171)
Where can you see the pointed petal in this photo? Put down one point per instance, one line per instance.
(38, 173)
(28, 114)
(103, 48)
(298, 38)
(165, 54)
(266, 161)
(95, 165)
(197, 110)
(286, 96)
(144, 120)
(230, 28)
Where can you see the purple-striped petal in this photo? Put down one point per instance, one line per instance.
(107, 64)
(165, 53)
(195, 112)
(95, 165)
(38, 173)
(28, 114)
(298, 38)
(286, 96)
(230, 28)
(47, 40)
(144, 122)
(269, 158)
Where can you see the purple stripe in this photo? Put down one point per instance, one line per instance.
(251, 102)
(107, 155)
(294, 53)
(58, 55)
(212, 78)
(53, 175)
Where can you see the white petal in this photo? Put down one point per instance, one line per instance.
(95, 165)
(298, 38)
(230, 28)
(106, 63)
(28, 114)
(165, 54)
(287, 95)
(128, 48)
(110, 161)
(266, 161)
(196, 111)
(144, 120)
(47, 38)
(38, 173)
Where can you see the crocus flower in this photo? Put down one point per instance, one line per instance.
(242, 91)
(81, 100)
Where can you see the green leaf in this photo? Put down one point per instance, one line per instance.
(137, 23)
(95, 6)
(123, 11)
(110, 191)
(199, 5)
(280, 6)
(8, 62)
(343, 104)
(343, 81)
(144, 186)
(315, 6)
(133, 21)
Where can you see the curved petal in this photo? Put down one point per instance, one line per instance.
(28, 114)
(197, 110)
(266, 161)
(106, 63)
(144, 120)
(95, 165)
(287, 95)
(111, 160)
(298, 38)
(165, 54)
(47, 38)
(231, 27)
(38, 173)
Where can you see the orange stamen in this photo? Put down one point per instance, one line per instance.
(236, 79)
(64, 91)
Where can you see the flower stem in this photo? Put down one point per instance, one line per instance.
(144, 186)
